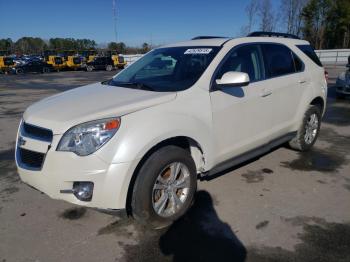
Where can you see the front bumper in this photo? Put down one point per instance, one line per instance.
(60, 170)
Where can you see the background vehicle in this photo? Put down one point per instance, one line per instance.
(118, 60)
(100, 63)
(6, 62)
(57, 62)
(343, 82)
(72, 60)
(140, 140)
(33, 66)
(89, 55)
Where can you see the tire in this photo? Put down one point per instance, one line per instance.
(19, 71)
(146, 199)
(89, 68)
(46, 70)
(109, 68)
(308, 130)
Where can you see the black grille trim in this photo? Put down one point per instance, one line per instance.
(30, 159)
(36, 132)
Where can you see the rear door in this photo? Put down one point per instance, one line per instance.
(241, 115)
(285, 80)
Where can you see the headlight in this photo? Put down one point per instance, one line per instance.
(86, 138)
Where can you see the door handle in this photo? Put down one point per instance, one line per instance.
(266, 93)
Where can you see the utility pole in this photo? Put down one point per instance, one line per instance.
(114, 10)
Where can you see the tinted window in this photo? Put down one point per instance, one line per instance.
(299, 65)
(167, 69)
(278, 60)
(161, 66)
(309, 51)
(247, 59)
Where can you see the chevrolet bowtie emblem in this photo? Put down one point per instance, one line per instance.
(21, 141)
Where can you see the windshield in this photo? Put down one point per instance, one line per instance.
(166, 69)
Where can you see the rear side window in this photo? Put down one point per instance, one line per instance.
(278, 59)
(309, 51)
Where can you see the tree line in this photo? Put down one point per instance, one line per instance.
(324, 23)
(37, 45)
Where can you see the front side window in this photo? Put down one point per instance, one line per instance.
(167, 69)
(247, 59)
(278, 59)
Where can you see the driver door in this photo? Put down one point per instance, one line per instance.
(241, 115)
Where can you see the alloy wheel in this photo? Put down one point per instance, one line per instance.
(171, 189)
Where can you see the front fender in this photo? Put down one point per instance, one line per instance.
(142, 130)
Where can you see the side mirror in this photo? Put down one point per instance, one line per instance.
(233, 79)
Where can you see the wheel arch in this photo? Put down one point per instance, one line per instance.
(185, 142)
(319, 102)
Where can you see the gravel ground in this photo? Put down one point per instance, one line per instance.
(283, 206)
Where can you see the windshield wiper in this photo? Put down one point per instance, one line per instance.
(135, 85)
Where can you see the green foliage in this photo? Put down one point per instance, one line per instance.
(120, 48)
(6, 44)
(326, 23)
(71, 44)
(27, 45)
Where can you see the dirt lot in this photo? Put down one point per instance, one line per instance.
(284, 206)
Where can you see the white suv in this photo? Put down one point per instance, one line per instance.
(140, 140)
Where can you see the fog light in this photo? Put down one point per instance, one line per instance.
(83, 190)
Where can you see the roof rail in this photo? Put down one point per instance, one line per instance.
(272, 34)
(207, 37)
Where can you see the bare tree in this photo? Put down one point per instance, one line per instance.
(291, 11)
(267, 16)
(251, 10)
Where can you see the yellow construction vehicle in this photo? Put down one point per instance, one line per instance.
(89, 55)
(119, 61)
(57, 62)
(6, 62)
(72, 60)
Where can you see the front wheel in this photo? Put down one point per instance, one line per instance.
(164, 187)
(19, 71)
(89, 68)
(308, 131)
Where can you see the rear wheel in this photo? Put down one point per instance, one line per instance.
(164, 187)
(109, 68)
(19, 71)
(308, 131)
(89, 68)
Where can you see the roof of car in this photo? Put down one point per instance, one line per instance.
(222, 40)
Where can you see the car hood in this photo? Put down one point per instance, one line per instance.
(96, 101)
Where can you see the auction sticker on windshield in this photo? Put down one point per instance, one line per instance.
(197, 51)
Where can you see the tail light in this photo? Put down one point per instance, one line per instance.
(326, 76)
